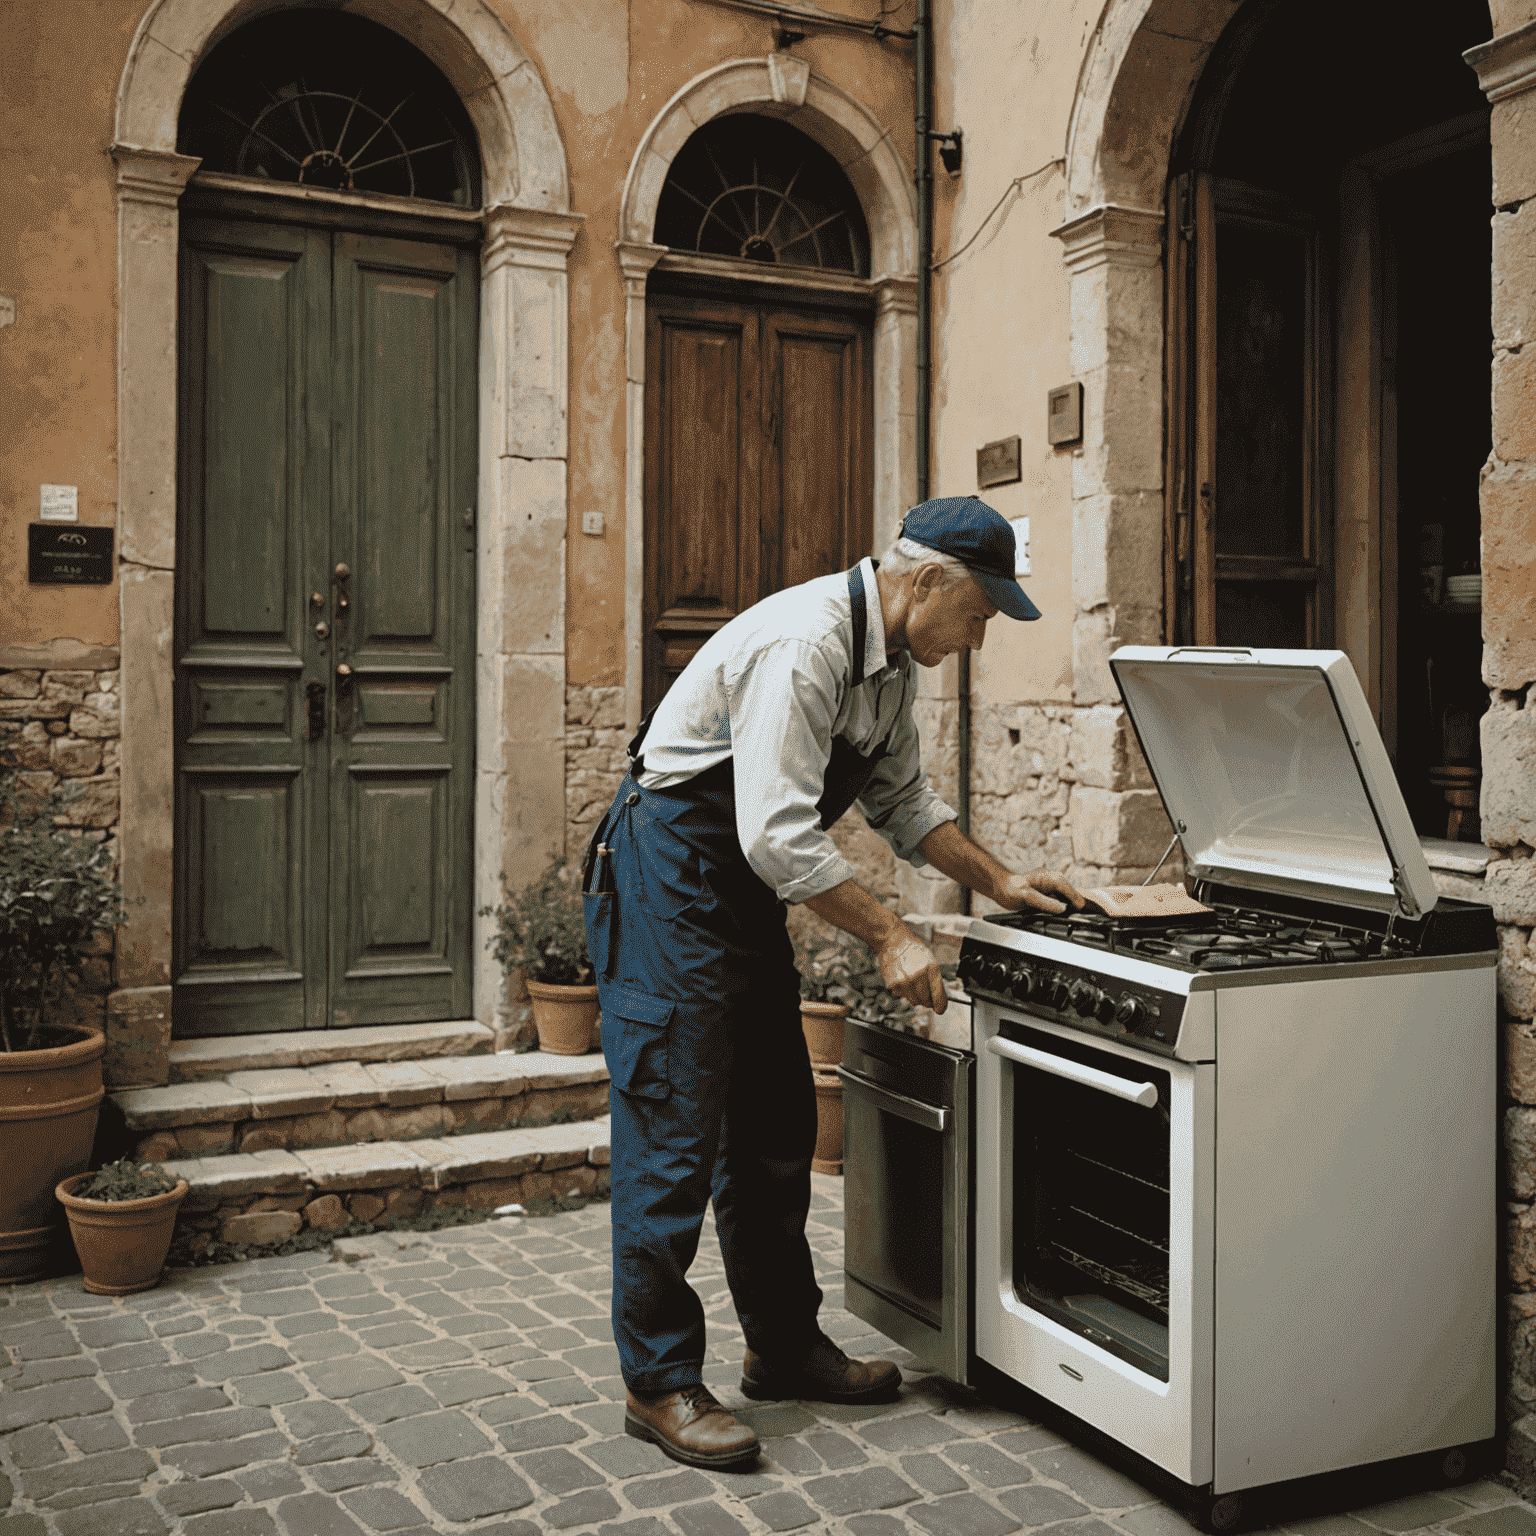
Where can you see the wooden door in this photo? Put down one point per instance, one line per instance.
(757, 462)
(1249, 502)
(324, 629)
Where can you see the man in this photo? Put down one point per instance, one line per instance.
(787, 715)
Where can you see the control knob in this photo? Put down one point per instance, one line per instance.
(1132, 1015)
(1056, 993)
(1020, 981)
(1084, 998)
(996, 975)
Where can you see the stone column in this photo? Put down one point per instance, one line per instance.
(1114, 255)
(1506, 69)
(149, 184)
(636, 258)
(520, 639)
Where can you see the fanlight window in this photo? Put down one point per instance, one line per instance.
(324, 99)
(757, 189)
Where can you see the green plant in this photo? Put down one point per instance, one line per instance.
(845, 971)
(56, 894)
(540, 930)
(125, 1180)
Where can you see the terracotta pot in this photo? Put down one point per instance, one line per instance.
(122, 1243)
(49, 1101)
(823, 1026)
(829, 1123)
(564, 1017)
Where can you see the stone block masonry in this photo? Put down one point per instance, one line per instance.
(60, 730)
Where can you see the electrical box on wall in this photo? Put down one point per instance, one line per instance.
(1064, 415)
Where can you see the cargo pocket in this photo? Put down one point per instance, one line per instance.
(636, 1034)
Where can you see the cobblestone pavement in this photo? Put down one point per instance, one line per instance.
(469, 1383)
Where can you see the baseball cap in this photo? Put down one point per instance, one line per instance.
(981, 539)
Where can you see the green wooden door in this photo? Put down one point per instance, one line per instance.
(324, 628)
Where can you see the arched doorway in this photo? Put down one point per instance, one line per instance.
(785, 88)
(325, 618)
(525, 229)
(758, 411)
(1328, 339)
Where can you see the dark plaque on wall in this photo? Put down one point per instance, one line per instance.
(68, 555)
(998, 463)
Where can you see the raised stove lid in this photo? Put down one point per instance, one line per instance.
(1274, 774)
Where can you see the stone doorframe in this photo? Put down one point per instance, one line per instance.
(529, 229)
(784, 87)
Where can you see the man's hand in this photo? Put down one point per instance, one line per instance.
(1037, 890)
(908, 968)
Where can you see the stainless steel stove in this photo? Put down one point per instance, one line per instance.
(1234, 1198)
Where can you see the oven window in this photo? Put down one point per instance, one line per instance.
(1091, 1223)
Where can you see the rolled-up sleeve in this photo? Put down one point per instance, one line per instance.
(782, 708)
(897, 802)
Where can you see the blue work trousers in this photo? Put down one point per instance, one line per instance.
(711, 1090)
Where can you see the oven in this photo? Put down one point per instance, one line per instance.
(1234, 1195)
(1094, 1231)
(907, 1148)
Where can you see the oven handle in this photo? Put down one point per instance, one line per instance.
(1144, 1094)
(929, 1116)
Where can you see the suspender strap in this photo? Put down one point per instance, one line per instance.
(860, 622)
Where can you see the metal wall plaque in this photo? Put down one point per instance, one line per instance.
(69, 556)
(998, 463)
(1064, 415)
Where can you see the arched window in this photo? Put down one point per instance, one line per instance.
(758, 190)
(329, 100)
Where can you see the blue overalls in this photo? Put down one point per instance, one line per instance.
(711, 1091)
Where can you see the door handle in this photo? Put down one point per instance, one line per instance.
(930, 1116)
(1144, 1094)
(314, 692)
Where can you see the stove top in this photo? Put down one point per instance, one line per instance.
(1226, 939)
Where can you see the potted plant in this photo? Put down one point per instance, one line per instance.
(56, 894)
(121, 1220)
(540, 932)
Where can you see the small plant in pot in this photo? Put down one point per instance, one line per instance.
(122, 1220)
(541, 932)
(56, 893)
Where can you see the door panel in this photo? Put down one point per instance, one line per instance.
(328, 451)
(401, 753)
(250, 833)
(757, 463)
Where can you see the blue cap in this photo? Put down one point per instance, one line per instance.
(981, 539)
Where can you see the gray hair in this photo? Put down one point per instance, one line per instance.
(907, 554)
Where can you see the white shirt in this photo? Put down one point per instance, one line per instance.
(771, 689)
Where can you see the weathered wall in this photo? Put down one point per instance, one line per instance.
(1507, 71)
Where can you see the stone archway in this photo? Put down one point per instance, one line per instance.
(528, 231)
(784, 87)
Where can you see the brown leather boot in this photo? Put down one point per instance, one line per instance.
(690, 1426)
(826, 1375)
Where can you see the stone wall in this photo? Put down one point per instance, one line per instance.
(1066, 788)
(60, 727)
(1506, 69)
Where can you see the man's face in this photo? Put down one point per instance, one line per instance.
(944, 623)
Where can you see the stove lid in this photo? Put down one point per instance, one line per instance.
(1274, 774)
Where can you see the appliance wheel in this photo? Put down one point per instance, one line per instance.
(1221, 1513)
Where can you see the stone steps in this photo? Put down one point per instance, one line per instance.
(283, 1106)
(196, 1060)
(266, 1197)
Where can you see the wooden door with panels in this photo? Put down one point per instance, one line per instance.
(757, 460)
(324, 640)
(1249, 538)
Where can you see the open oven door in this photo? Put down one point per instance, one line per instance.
(907, 1192)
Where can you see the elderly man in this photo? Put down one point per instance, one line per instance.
(794, 711)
